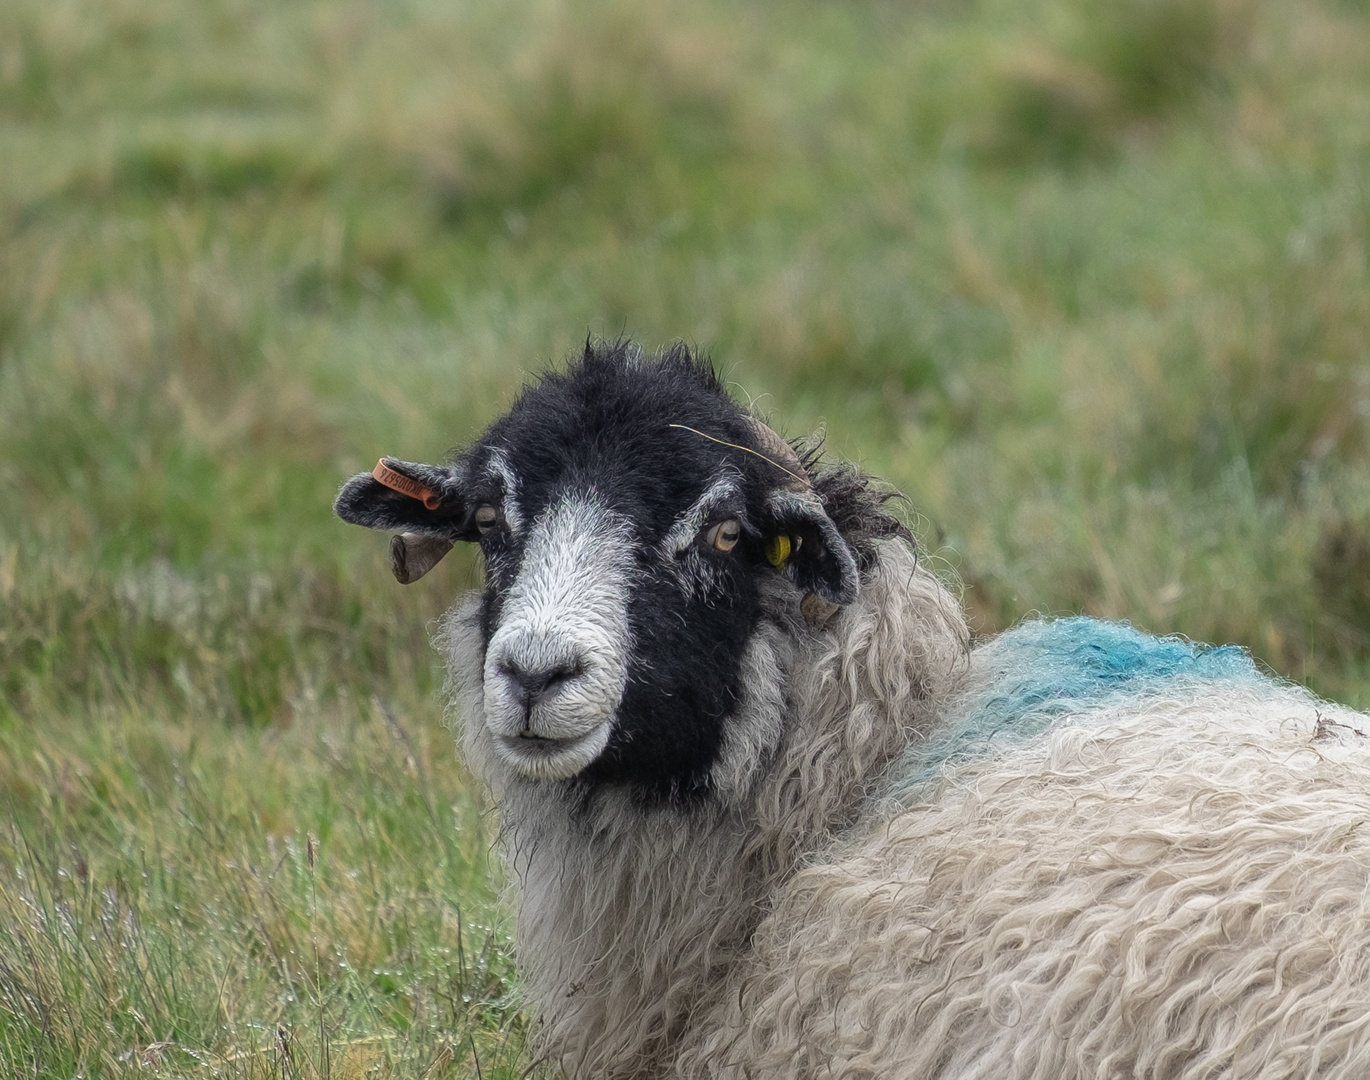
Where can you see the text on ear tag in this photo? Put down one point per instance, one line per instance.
(397, 481)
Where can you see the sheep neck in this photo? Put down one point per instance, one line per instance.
(630, 918)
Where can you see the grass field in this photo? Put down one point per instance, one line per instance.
(1087, 279)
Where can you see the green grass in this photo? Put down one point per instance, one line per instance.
(1088, 280)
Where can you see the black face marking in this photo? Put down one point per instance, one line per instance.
(606, 427)
(656, 446)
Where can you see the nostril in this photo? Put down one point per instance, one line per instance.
(536, 682)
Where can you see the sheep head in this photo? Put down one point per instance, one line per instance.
(630, 515)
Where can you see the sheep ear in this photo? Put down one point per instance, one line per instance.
(812, 553)
(426, 500)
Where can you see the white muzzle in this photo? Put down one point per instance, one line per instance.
(557, 663)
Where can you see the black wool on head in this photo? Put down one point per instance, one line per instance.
(703, 503)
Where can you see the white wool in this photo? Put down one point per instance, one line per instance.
(499, 469)
(1179, 888)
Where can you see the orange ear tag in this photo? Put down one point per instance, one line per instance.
(405, 485)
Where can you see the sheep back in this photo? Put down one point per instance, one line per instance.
(1117, 855)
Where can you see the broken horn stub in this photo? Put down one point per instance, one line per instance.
(412, 556)
(817, 611)
(782, 455)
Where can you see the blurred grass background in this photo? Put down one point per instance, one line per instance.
(1087, 279)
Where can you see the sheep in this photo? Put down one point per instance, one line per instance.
(770, 814)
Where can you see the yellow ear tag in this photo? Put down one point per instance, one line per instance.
(778, 550)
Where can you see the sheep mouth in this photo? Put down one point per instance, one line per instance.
(544, 757)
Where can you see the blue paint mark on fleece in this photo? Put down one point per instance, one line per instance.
(1044, 670)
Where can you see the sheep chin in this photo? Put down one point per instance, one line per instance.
(552, 759)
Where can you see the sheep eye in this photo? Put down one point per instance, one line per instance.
(725, 535)
(487, 517)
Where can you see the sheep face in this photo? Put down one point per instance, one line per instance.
(631, 516)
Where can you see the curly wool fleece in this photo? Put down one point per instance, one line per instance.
(1119, 856)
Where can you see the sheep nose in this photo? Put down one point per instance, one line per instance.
(548, 685)
(539, 681)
